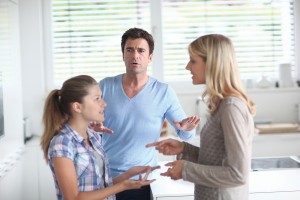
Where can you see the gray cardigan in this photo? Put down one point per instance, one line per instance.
(220, 167)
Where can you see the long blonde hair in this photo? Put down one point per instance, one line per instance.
(57, 108)
(221, 73)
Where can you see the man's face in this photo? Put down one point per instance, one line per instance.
(136, 56)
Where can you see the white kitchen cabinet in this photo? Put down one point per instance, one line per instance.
(292, 195)
(27, 175)
(38, 173)
(11, 177)
(277, 144)
(187, 197)
(278, 184)
(30, 173)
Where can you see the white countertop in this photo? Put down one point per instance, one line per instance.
(165, 186)
(282, 180)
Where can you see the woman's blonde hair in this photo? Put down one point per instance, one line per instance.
(57, 108)
(221, 72)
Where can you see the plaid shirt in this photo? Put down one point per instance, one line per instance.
(67, 143)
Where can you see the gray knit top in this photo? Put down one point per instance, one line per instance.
(220, 167)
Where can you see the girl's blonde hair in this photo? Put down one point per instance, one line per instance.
(57, 108)
(221, 72)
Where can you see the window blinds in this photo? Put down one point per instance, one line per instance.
(87, 34)
(261, 31)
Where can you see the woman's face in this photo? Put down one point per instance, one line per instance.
(196, 66)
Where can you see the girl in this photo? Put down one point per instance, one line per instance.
(73, 151)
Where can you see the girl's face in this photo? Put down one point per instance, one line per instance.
(196, 66)
(92, 107)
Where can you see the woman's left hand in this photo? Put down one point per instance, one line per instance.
(188, 124)
(175, 170)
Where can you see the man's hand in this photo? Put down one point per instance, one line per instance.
(188, 124)
(98, 127)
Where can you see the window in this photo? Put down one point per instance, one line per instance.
(261, 31)
(87, 34)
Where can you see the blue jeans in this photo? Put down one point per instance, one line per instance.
(144, 193)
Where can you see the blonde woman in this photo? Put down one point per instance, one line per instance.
(74, 152)
(220, 166)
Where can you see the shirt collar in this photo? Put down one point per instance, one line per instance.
(76, 136)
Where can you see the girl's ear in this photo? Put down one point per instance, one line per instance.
(76, 107)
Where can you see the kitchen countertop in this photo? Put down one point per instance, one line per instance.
(265, 181)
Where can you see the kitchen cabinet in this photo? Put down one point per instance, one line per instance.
(276, 144)
(264, 184)
(38, 173)
(295, 195)
(11, 176)
(175, 198)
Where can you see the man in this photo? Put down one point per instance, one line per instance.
(136, 108)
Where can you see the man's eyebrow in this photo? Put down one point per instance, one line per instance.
(139, 49)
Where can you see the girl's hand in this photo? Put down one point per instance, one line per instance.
(135, 184)
(140, 170)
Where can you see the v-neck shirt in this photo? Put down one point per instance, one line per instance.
(137, 121)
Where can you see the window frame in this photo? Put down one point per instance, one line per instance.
(157, 32)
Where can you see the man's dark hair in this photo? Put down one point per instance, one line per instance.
(135, 33)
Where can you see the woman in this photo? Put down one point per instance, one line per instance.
(220, 166)
(74, 151)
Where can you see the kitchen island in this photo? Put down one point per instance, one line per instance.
(275, 184)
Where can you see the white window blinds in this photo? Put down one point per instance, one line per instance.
(87, 34)
(261, 31)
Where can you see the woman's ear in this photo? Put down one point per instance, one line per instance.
(76, 107)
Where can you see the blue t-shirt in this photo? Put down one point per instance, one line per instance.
(137, 121)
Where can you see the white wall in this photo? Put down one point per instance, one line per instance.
(12, 143)
(32, 57)
(12, 85)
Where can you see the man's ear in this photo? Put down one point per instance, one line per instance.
(150, 57)
(76, 107)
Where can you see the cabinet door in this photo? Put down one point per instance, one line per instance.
(11, 182)
(30, 174)
(293, 195)
(175, 198)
